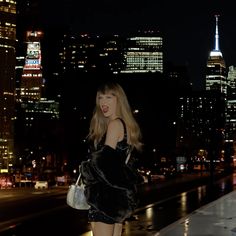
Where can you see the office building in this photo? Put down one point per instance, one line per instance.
(231, 80)
(143, 53)
(7, 80)
(231, 120)
(88, 53)
(32, 79)
(33, 106)
(200, 122)
(231, 105)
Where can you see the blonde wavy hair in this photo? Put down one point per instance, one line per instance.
(98, 124)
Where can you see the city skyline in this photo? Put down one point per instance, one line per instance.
(187, 27)
(162, 123)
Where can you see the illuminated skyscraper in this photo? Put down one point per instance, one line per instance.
(231, 105)
(144, 54)
(216, 70)
(200, 118)
(32, 79)
(7, 80)
(231, 92)
(36, 115)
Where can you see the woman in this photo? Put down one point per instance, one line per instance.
(110, 183)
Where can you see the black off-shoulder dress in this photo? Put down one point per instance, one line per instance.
(95, 215)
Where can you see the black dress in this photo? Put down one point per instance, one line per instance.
(95, 215)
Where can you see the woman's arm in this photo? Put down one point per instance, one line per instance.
(115, 133)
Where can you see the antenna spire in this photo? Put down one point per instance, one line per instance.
(217, 35)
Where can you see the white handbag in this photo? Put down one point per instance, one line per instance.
(75, 196)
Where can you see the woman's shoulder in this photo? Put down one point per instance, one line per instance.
(116, 124)
(115, 132)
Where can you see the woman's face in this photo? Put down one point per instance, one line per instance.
(108, 104)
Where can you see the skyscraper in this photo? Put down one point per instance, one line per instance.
(144, 53)
(7, 80)
(216, 76)
(36, 115)
(231, 92)
(231, 105)
(32, 79)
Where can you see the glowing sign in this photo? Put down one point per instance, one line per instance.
(32, 62)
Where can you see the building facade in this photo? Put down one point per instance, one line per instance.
(200, 122)
(7, 81)
(143, 53)
(32, 78)
(231, 105)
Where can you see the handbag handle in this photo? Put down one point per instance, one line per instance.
(128, 156)
(78, 180)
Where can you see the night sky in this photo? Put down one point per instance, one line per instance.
(187, 27)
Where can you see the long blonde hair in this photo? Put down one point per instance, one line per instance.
(98, 124)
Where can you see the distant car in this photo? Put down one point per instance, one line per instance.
(5, 183)
(41, 184)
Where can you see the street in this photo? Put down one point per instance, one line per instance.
(30, 212)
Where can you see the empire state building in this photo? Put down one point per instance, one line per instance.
(216, 77)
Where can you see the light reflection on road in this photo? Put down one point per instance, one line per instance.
(167, 211)
(147, 220)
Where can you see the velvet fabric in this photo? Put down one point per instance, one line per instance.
(110, 184)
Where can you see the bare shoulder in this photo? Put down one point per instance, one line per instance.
(115, 124)
(114, 132)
